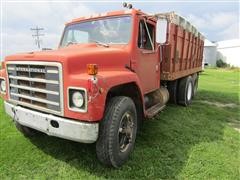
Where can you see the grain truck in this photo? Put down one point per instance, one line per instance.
(110, 72)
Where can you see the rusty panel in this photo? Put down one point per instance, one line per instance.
(182, 55)
(166, 58)
(179, 46)
(185, 50)
(172, 44)
(165, 76)
(197, 53)
(189, 56)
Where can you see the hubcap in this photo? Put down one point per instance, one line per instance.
(125, 132)
(189, 92)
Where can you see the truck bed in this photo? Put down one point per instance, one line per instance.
(183, 51)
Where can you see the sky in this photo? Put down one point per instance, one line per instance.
(217, 20)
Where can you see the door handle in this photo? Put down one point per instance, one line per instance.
(157, 67)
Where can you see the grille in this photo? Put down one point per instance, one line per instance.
(37, 85)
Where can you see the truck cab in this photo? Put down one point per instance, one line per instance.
(109, 72)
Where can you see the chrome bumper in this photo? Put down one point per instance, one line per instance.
(53, 125)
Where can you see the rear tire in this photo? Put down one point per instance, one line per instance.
(172, 87)
(185, 91)
(26, 131)
(195, 84)
(117, 132)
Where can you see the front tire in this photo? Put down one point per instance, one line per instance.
(117, 132)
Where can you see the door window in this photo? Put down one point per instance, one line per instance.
(146, 36)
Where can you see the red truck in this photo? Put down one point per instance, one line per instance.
(109, 72)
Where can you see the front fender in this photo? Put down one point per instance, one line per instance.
(116, 78)
(96, 103)
(108, 80)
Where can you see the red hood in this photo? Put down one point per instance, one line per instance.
(76, 57)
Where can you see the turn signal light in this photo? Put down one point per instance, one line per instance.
(92, 69)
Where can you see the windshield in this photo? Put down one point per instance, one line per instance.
(115, 30)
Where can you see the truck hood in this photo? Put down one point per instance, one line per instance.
(74, 58)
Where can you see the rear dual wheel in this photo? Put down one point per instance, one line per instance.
(195, 84)
(185, 91)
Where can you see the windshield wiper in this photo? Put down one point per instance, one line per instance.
(100, 43)
(71, 43)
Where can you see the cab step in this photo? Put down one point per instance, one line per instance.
(154, 110)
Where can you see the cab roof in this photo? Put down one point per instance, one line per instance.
(107, 14)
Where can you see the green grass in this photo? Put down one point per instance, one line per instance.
(197, 142)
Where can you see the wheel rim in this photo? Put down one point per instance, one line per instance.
(189, 91)
(125, 132)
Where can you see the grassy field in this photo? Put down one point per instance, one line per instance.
(198, 142)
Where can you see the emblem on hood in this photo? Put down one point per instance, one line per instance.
(25, 69)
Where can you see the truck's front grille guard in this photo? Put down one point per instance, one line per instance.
(23, 66)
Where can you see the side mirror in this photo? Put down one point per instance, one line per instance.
(161, 31)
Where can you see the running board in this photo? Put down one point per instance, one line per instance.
(154, 110)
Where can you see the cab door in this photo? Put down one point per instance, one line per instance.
(148, 68)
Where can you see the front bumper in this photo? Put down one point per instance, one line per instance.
(54, 125)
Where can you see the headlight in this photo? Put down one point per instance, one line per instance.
(2, 85)
(77, 99)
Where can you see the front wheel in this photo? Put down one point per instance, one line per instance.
(117, 132)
